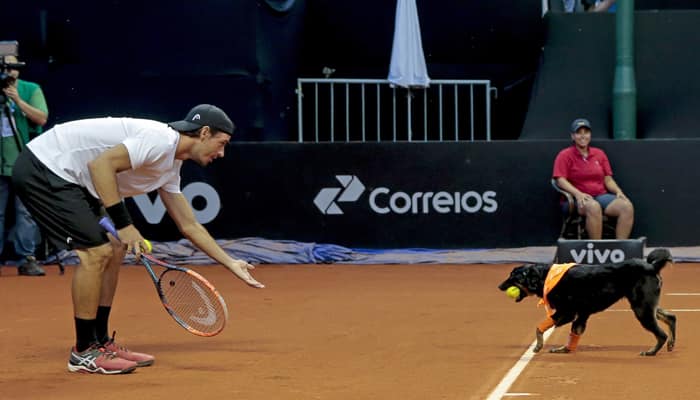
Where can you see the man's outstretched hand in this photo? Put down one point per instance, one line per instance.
(242, 271)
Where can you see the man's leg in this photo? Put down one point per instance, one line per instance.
(26, 239)
(4, 198)
(594, 219)
(620, 208)
(87, 291)
(623, 210)
(109, 286)
(88, 354)
(110, 279)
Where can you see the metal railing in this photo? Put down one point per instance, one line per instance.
(357, 109)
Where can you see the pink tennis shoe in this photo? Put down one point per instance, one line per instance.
(98, 360)
(141, 359)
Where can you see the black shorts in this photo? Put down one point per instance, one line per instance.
(67, 214)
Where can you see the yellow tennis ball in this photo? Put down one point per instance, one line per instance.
(513, 292)
(149, 246)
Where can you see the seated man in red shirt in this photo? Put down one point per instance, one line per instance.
(585, 172)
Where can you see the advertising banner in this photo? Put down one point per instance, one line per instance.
(431, 195)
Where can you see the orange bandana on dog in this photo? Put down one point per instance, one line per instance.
(553, 276)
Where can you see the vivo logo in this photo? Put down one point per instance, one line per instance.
(154, 211)
(589, 255)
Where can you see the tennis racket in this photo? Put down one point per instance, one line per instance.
(191, 300)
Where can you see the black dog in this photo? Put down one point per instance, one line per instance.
(583, 290)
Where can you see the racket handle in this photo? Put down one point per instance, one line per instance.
(106, 223)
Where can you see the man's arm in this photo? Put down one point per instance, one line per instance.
(103, 172)
(33, 113)
(580, 197)
(613, 187)
(181, 212)
(603, 6)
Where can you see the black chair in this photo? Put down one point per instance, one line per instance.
(573, 225)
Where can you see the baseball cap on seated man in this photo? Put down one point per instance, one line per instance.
(204, 115)
(580, 123)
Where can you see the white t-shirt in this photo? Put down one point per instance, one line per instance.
(67, 148)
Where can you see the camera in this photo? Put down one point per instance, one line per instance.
(7, 48)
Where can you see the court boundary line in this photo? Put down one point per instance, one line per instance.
(667, 309)
(683, 294)
(501, 389)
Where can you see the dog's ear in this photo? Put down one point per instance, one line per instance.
(515, 277)
(535, 275)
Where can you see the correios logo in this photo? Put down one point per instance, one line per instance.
(383, 200)
(326, 199)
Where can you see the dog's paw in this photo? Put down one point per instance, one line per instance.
(647, 353)
(652, 351)
(560, 350)
(539, 337)
(670, 345)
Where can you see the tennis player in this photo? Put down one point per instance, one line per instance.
(75, 172)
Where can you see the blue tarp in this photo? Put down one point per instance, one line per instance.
(265, 251)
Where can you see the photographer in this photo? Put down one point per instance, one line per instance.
(24, 112)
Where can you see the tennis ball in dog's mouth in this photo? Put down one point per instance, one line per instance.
(513, 292)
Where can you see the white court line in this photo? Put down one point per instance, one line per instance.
(682, 294)
(672, 310)
(502, 389)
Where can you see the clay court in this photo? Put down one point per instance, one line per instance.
(347, 332)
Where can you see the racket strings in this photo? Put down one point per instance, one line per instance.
(193, 301)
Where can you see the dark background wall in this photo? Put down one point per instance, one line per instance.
(156, 59)
(576, 74)
(148, 59)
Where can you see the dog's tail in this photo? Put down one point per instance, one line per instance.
(659, 258)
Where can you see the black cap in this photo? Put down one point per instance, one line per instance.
(579, 123)
(204, 115)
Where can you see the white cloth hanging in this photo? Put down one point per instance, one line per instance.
(407, 67)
